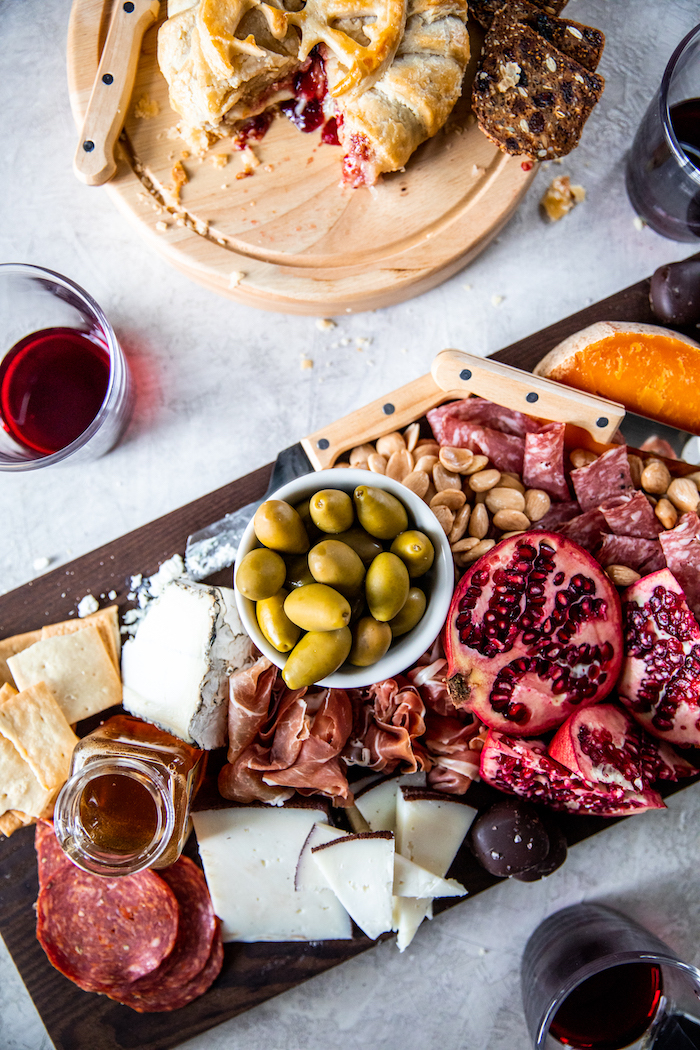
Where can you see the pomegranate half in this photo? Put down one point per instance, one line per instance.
(533, 633)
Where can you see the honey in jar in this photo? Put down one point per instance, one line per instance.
(125, 806)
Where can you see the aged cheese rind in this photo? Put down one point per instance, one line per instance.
(250, 857)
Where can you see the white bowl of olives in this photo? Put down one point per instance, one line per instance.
(343, 578)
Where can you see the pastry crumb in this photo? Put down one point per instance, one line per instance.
(162, 226)
(179, 177)
(478, 171)
(306, 363)
(324, 324)
(560, 197)
(219, 160)
(146, 108)
(496, 300)
(235, 278)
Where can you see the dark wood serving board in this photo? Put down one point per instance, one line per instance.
(252, 973)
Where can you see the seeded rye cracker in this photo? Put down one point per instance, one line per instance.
(582, 43)
(528, 97)
(484, 11)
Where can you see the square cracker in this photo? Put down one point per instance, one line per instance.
(77, 669)
(12, 820)
(19, 788)
(105, 620)
(12, 646)
(34, 724)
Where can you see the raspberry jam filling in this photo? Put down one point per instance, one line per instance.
(305, 110)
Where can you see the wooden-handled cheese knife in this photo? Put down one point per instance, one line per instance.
(454, 374)
(94, 161)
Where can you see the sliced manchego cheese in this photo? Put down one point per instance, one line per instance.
(360, 870)
(411, 880)
(250, 856)
(308, 875)
(377, 803)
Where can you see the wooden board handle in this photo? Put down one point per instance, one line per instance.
(94, 161)
(510, 387)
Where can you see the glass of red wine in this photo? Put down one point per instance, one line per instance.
(663, 166)
(594, 979)
(65, 387)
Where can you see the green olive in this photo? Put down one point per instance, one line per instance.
(304, 513)
(336, 564)
(380, 514)
(407, 618)
(278, 525)
(331, 510)
(274, 623)
(316, 655)
(415, 550)
(317, 607)
(298, 572)
(260, 574)
(362, 543)
(370, 641)
(386, 586)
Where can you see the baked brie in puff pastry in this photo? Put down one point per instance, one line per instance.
(393, 69)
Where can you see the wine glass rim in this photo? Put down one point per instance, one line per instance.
(116, 364)
(689, 168)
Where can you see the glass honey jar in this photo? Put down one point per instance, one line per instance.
(125, 806)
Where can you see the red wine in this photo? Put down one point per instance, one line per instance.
(52, 384)
(609, 1010)
(685, 118)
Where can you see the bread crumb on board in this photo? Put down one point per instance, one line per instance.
(560, 197)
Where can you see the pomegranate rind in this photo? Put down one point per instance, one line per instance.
(604, 745)
(533, 633)
(660, 679)
(523, 767)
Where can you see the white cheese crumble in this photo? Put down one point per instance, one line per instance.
(87, 605)
(41, 563)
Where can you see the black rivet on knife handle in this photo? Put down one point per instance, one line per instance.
(88, 146)
(128, 7)
(532, 397)
(388, 409)
(322, 443)
(108, 79)
(602, 422)
(465, 374)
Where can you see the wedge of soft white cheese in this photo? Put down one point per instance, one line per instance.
(411, 880)
(360, 870)
(250, 856)
(175, 670)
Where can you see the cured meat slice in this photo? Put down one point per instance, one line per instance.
(631, 514)
(681, 547)
(644, 556)
(49, 855)
(543, 462)
(585, 529)
(178, 978)
(505, 451)
(557, 514)
(482, 412)
(102, 932)
(607, 476)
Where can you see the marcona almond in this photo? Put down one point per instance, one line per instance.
(622, 575)
(484, 479)
(400, 465)
(537, 503)
(581, 457)
(457, 460)
(459, 546)
(389, 443)
(515, 532)
(425, 463)
(452, 498)
(446, 518)
(666, 513)
(445, 479)
(476, 552)
(377, 463)
(478, 463)
(360, 454)
(411, 435)
(500, 498)
(510, 520)
(460, 523)
(340, 465)
(417, 481)
(511, 481)
(694, 477)
(656, 477)
(427, 447)
(479, 521)
(684, 495)
(636, 467)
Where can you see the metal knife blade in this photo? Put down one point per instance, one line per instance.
(637, 429)
(214, 547)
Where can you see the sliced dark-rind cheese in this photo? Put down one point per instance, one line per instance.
(359, 869)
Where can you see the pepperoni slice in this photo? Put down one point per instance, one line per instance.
(101, 932)
(49, 855)
(193, 947)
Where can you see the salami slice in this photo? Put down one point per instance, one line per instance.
(175, 996)
(49, 855)
(681, 547)
(644, 556)
(557, 515)
(543, 461)
(587, 529)
(101, 932)
(631, 514)
(195, 938)
(482, 412)
(607, 476)
(504, 451)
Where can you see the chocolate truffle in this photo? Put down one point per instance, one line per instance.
(675, 292)
(509, 838)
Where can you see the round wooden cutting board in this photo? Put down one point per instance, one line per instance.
(289, 237)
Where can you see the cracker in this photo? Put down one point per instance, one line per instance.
(33, 722)
(12, 820)
(77, 669)
(582, 43)
(106, 621)
(19, 788)
(484, 11)
(11, 646)
(529, 98)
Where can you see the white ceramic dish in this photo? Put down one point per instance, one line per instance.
(438, 583)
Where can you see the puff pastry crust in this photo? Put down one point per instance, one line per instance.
(394, 68)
